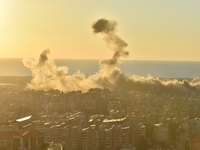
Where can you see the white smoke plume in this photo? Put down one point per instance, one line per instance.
(47, 76)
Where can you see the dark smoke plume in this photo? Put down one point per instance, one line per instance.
(108, 28)
(43, 56)
(104, 26)
(47, 76)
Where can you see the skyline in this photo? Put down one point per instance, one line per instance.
(154, 30)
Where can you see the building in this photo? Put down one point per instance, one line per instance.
(90, 138)
(33, 139)
(182, 137)
(161, 132)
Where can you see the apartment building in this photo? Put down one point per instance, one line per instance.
(8, 135)
(47, 130)
(33, 139)
(9, 138)
(182, 137)
(72, 137)
(128, 137)
(161, 132)
(113, 137)
(90, 138)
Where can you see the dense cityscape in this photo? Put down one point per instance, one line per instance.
(61, 88)
(99, 119)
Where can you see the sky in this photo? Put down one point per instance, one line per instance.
(153, 29)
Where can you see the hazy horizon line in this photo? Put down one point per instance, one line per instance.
(101, 59)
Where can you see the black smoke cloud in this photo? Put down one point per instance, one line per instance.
(107, 28)
(43, 57)
(104, 26)
(47, 76)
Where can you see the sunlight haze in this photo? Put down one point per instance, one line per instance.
(154, 30)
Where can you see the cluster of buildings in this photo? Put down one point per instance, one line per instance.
(99, 120)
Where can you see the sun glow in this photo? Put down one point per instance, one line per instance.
(2, 9)
(152, 31)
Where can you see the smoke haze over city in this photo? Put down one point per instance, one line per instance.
(99, 75)
(47, 75)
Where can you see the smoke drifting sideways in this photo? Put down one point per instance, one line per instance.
(48, 76)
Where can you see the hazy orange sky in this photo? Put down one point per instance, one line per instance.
(154, 30)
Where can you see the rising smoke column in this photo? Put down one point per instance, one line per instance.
(47, 76)
(45, 73)
(107, 28)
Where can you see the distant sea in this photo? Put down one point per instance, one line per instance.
(160, 69)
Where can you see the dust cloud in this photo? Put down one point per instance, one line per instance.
(48, 76)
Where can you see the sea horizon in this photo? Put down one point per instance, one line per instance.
(154, 68)
(102, 59)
